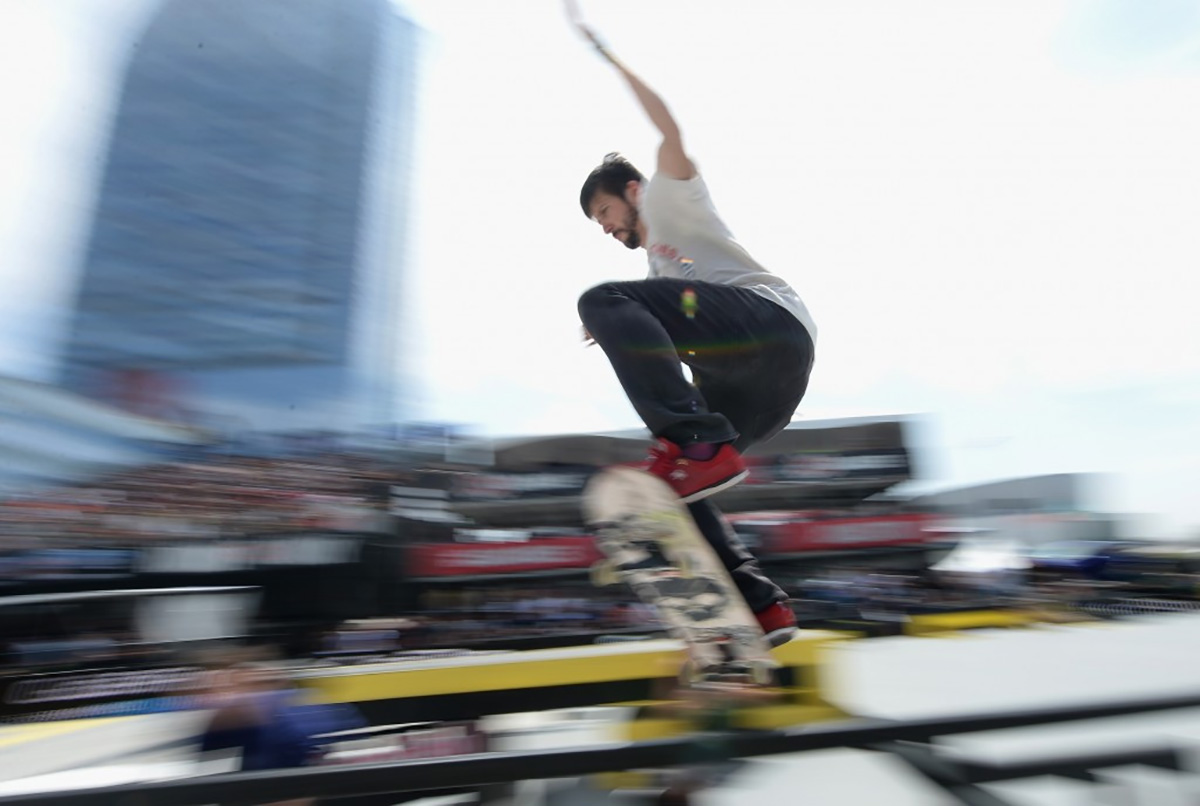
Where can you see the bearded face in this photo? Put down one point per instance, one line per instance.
(627, 233)
(619, 217)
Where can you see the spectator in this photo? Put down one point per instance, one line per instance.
(256, 714)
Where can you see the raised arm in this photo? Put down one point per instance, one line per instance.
(673, 161)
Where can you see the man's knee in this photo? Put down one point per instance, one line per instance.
(596, 299)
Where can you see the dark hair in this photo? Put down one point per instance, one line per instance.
(610, 176)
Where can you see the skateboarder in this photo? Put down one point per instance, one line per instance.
(744, 333)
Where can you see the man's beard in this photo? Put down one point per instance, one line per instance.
(632, 239)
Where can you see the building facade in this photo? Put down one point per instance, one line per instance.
(249, 237)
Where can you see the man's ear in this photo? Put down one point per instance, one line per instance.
(633, 192)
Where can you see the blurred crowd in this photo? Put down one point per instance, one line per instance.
(229, 496)
(476, 614)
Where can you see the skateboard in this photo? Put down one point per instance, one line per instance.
(650, 543)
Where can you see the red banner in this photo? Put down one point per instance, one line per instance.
(568, 553)
(845, 534)
(476, 559)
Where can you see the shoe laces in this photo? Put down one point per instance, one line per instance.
(663, 456)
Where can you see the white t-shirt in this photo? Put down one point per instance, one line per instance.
(686, 239)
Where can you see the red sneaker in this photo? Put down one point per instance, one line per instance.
(778, 623)
(693, 479)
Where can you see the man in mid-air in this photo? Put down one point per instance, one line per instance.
(743, 332)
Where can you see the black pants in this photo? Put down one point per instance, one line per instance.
(750, 360)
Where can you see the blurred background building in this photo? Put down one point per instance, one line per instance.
(244, 265)
(51, 437)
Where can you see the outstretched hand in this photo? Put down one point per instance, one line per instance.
(576, 18)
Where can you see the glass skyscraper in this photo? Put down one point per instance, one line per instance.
(249, 233)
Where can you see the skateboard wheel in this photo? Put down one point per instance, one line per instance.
(762, 675)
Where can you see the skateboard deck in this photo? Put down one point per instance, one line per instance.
(651, 544)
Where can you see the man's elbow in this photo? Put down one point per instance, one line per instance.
(673, 161)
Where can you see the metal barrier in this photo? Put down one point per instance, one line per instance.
(1137, 607)
(907, 740)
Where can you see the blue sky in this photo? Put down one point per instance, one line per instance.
(989, 207)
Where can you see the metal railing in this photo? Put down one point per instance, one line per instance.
(905, 739)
